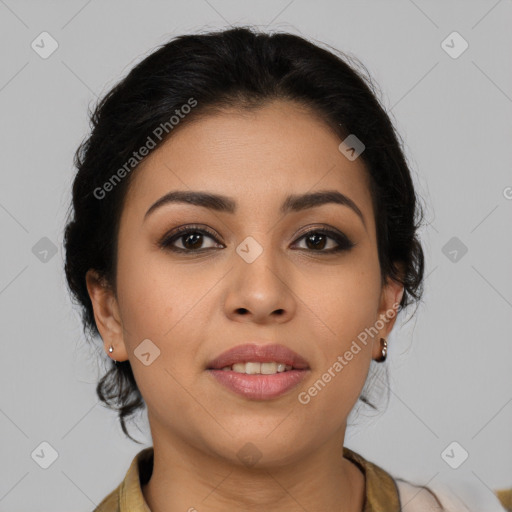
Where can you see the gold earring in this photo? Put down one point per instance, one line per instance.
(384, 350)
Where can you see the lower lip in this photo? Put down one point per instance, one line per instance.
(259, 387)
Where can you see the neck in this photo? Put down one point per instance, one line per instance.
(185, 478)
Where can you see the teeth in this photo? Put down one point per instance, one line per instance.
(268, 368)
(251, 368)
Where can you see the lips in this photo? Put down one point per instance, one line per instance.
(254, 352)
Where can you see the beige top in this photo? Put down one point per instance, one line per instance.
(382, 492)
(505, 497)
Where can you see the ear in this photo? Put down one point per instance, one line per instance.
(392, 293)
(106, 315)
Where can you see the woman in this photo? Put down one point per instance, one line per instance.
(244, 235)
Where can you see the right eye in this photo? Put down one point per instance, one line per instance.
(191, 238)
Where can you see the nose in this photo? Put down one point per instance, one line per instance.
(260, 292)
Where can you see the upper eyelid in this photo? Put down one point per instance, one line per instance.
(192, 227)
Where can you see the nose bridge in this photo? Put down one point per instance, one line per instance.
(257, 262)
(258, 281)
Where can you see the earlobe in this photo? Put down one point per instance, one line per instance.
(106, 314)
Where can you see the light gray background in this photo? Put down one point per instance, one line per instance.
(450, 367)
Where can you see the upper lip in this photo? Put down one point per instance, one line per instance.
(254, 352)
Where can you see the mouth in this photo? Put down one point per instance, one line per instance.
(253, 358)
(259, 372)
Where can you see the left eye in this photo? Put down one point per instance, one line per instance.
(316, 240)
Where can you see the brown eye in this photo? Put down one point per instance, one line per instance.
(316, 240)
(192, 239)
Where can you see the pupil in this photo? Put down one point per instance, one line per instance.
(316, 242)
(193, 244)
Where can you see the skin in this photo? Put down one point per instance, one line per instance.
(194, 307)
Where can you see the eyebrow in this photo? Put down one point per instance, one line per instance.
(221, 203)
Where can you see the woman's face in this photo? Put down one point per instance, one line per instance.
(254, 279)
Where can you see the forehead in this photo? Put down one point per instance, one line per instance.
(257, 157)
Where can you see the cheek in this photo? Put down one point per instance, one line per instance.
(347, 309)
(338, 380)
(154, 295)
(163, 304)
(159, 305)
(349, 302)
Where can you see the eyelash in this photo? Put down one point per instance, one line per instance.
(344, 244)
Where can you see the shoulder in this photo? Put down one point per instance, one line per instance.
(110, 503)
(128, 496)
(394, 494)
(456, 496)
(505, 497)
(417, 497)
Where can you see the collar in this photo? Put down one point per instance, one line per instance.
(381, 494)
